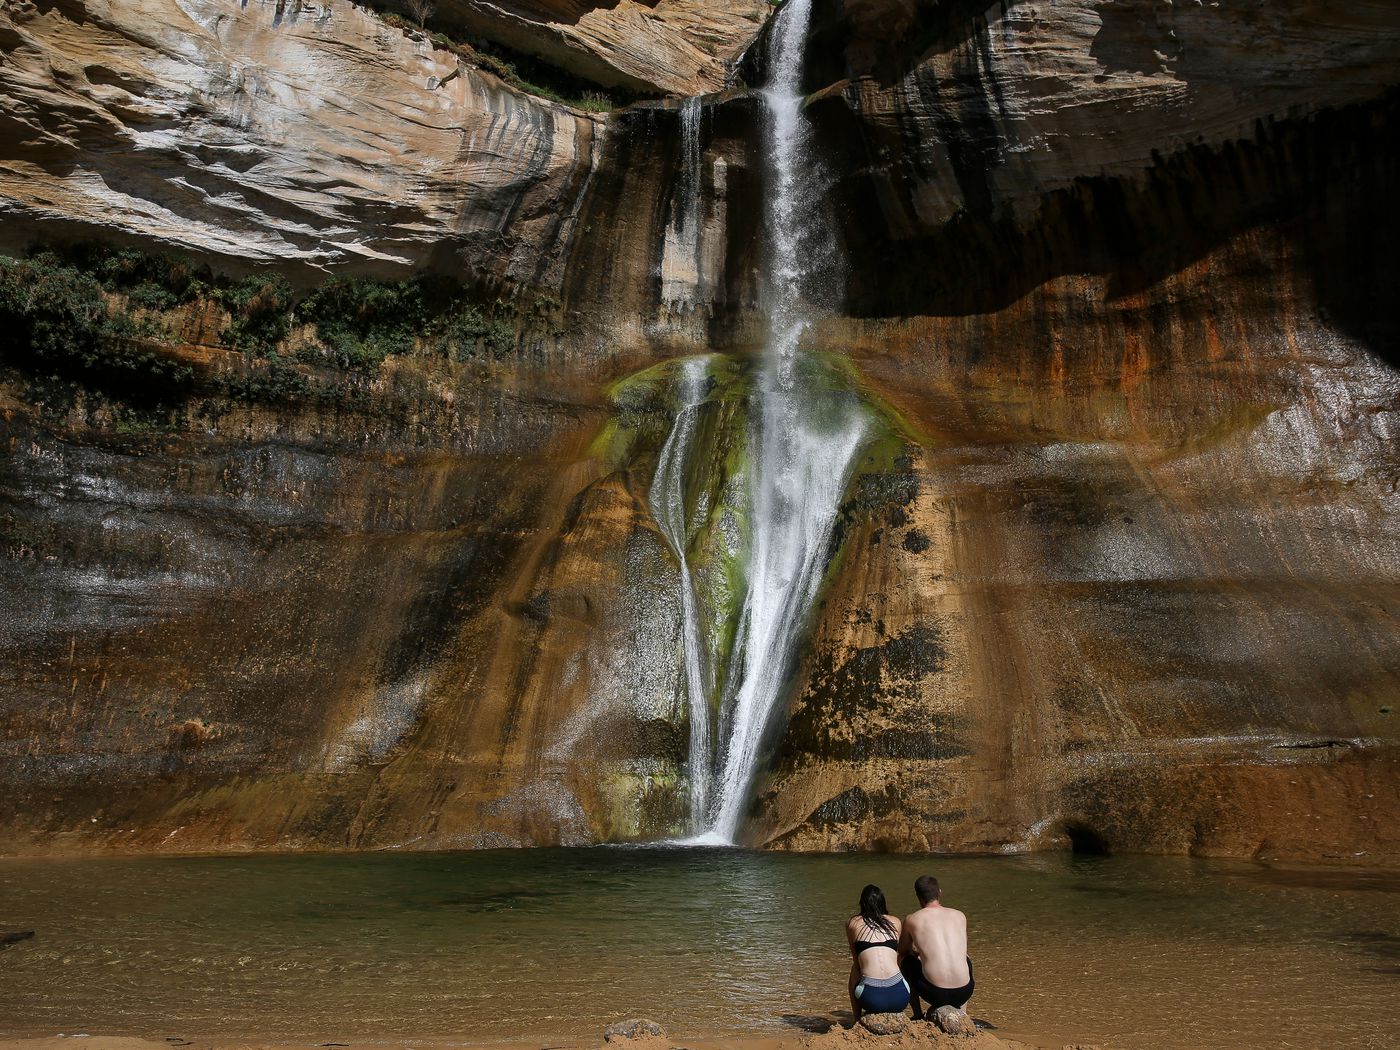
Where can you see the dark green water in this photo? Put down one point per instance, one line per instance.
(524, 944)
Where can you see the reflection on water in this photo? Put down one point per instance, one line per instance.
(539, 943)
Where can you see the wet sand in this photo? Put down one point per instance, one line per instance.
(916, 1037)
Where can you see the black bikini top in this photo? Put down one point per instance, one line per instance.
(862, 946)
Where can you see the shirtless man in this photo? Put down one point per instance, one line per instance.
(933, 951)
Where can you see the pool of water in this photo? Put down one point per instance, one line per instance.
(536, 944)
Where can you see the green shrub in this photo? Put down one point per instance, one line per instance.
(267, 384)
(55, 307)
(137, 423)
(124, 326)
(150, 280)
(57, 321)
(260, 306)
(467, 333)
(360, 322)
(52, 310)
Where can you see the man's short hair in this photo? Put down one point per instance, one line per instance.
(926, 889)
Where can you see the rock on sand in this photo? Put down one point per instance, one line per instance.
(884, 1024)
(633, 1028)
(954, 1021)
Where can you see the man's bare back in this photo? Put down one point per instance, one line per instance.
(938, 936)
(933, 951)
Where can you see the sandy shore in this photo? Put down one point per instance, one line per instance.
(915, 1037)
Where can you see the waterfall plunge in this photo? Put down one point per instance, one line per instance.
(804, 438)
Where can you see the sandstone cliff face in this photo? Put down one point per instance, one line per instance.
(303, 135)
(1113, 267)
(1141, 258)
(679, 47)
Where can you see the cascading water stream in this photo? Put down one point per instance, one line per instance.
(804, 441)
(667, 500)
(680, 259)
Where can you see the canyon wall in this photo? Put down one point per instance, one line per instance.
(1126, 292)
(1121, 572)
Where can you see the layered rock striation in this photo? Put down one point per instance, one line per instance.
(1119, 313)
(1120, 572)
(678, 47)
(306, 136)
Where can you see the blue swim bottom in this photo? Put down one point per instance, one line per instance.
(882, 995)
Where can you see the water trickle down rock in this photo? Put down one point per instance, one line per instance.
(681, 252)
(667, 499)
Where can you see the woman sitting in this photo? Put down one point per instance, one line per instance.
(876, 987)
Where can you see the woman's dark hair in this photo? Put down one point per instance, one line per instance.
(873, 909)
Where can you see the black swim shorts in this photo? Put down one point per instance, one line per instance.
(931, 993)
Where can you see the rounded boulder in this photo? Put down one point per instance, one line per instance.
(633, 1028)
(954, 1021)
(884, 1024)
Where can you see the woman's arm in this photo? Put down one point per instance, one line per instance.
(851, 927)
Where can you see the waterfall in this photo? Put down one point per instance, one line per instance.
(804, 442)
(667, 500)
(680, 257)
(803, 436)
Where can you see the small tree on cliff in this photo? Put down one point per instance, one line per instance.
(420, 10)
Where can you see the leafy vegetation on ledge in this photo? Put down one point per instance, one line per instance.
(61, 318)
(110, 319)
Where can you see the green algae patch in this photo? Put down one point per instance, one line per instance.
(892, 432)
(644, 406)
(883, 479)
(716, 469)
(721, 459)
(639, 801)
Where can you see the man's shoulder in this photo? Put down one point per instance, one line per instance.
(941, 914)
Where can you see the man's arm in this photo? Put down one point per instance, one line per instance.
(906, 942)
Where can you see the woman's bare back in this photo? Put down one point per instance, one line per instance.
(880, 960)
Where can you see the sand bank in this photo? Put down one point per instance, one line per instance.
(915, 1037)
